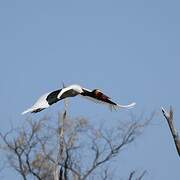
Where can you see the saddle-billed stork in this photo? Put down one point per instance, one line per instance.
(96, 95)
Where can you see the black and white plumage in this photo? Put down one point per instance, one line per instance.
(95, 95)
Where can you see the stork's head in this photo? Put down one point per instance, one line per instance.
(97, 92)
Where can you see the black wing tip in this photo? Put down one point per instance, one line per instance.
(37, 110)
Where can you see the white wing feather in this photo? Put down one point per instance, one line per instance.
(40, 103)
(75, 87)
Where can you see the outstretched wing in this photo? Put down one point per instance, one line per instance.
(44, 102)
(52, 97)
(39, 105)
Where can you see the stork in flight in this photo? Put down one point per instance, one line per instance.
(95, 95)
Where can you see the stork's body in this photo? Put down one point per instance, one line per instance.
(50, 98)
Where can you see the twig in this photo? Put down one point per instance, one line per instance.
(142, 175)
(169, 118)
(131, 175)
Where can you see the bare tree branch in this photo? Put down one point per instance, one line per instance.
(131, 175)
(113, 148)
(68, 149)
(142, 175)
(169, 118)
(30, 169)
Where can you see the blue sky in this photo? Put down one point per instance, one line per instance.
(129, 49)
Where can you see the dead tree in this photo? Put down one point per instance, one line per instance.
(70, 149)
(169, 118)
